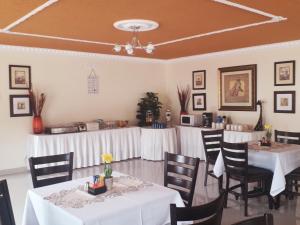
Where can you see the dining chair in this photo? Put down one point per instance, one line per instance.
(266, 219)
(180, 173)
(51, 174)
(6, 212)
(235, 157)
(212, 140)
(293, 177)
(209, 214)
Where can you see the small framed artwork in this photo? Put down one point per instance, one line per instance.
(284, 101)
(199, 79)
(19, 77)
(20, 105)
(237, 88)
(199, 101)
(284, 73)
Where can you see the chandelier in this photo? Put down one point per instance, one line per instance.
(135, 26)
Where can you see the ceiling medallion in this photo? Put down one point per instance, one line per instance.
(135, 26)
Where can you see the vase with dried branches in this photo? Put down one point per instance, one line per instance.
(184, 96)
(37, 103)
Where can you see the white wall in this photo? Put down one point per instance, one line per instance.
(179, 71)
(63, 77)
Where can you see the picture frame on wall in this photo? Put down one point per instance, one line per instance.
(284, 73)
(238, 88)
(284, 101)
(199, 80)
(199, 101)
(19, 77)
(20, 105)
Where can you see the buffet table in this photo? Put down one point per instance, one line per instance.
(154, 142)
(122, 143)
(191, 143)
(131, 201)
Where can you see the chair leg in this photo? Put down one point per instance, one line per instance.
(289, 188)
(206, 173)
(220, 183)
(227, 190)
(245, 196)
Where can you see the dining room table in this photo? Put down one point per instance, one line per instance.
(279, 158)
(130, 201)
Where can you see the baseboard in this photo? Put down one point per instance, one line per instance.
(13, 171)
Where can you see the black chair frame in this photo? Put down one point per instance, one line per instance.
(187, 169)
(266, 219)
(37, 171)
(6, 211)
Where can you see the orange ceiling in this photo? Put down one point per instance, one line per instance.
(92, 20)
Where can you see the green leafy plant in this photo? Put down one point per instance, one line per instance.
(148, 103)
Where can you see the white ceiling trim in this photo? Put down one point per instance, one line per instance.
(272, 19)
(28, 15)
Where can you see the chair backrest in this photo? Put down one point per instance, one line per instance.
(287, 137)
(266, 219)
(208, 214)
(212, 140)
(235, 157)
(37, 170)
(180, 173)
(6, 212)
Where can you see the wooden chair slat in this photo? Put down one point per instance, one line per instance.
(53, 180)
(180, 170)
(51, 170)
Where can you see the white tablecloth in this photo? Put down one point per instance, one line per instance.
(154, 142)
(191, 144)
(280, 162)
(147, 206)
(123, 143)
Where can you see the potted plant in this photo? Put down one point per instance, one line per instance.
(108, 179)
(37, 103)
(184, 96)
(149, 109)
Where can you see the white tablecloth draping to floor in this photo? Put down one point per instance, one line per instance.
(154, 142)
(191, 144)
(280, 161)
(146, 206)
(123, 143)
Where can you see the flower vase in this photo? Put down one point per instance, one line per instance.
(108, 182)
(37, 125)
(183, 113)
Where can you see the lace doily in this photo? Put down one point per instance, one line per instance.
(77, 197)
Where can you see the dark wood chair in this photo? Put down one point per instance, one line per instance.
(266, 219)
(235, 157)
(293, 177)
(180, 173)
(212, 145)
(6, 212)
(209, 214)
(63, 163)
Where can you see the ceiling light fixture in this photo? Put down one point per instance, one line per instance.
(135, 26)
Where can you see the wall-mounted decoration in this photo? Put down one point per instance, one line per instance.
(199, 79)
(93, 83)
(237, 88)
(20, 105)
(19, 77)
(284, 73)
(199, 101)
(284, 101)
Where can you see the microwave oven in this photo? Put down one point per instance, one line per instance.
(190, 120)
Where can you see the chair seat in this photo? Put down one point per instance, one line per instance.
(254, 174)
(295, 172)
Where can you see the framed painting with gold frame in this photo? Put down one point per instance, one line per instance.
(237, 88)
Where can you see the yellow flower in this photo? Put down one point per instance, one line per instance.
(107, 158)
(268, 126)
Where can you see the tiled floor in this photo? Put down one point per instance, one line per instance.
(288, 214)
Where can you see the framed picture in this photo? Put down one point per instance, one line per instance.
(199, 101)
(237, 88)
(284, 101)
(284, 73)
(20, 105)
(19, 77)
(199, 79)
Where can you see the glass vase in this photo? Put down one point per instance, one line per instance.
(37, 125)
